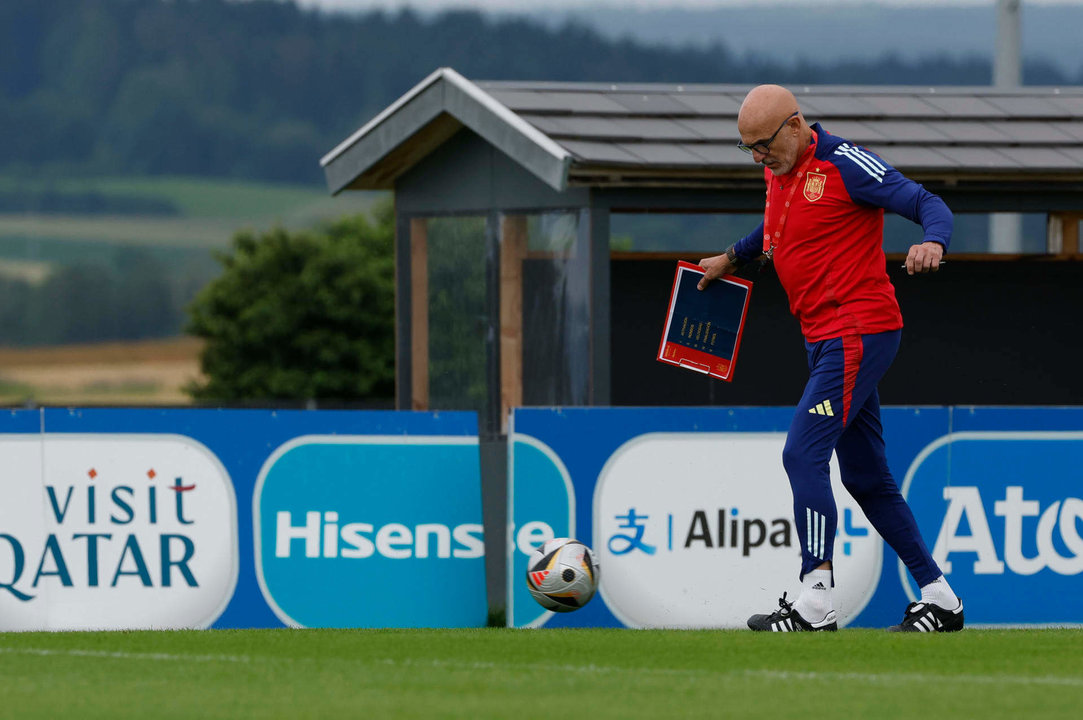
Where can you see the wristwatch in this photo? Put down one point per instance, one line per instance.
(732, 255)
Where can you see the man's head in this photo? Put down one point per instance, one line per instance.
(771, 125)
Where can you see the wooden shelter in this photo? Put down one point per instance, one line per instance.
(505, 193)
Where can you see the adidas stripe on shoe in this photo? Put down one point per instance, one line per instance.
(787, 619)
(927, 617)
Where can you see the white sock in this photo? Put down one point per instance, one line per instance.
(814, 602)
(938, 592)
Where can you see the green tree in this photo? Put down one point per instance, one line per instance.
(300, 316)
(262, 89)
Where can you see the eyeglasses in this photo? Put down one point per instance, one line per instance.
(763, 147)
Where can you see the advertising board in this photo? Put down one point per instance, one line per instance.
(139, 518)
(1002, 510)
(360, 530)
(110, 531)
(690, 513)
(120, 518)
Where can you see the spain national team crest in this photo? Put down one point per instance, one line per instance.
(814, 186)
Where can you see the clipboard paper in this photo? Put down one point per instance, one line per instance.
(703, 327)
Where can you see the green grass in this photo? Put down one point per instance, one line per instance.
(208, 211)
(206, 197)
(199, 197)
(498, 673)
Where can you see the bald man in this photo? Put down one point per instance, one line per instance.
(822, 228)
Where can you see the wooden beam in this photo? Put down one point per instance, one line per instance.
(513, 248)
(1070, 233)
(419, 314)
(1063, 234)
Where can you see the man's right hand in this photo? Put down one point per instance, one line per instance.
(714, 267)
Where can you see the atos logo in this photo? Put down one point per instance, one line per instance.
(1057, 521)
(356, 531)
(1007, 524)
(114, 532)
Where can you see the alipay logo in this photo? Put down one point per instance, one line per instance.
(1008, 524)
(673, 527)
(106, 531)
(372, 531)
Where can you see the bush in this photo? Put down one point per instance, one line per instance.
(301, 316)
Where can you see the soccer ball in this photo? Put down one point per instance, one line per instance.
(562, 575)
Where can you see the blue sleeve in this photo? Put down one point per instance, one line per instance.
(750, 246)
(872, 181)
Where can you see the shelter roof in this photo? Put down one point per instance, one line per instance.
(612, 134)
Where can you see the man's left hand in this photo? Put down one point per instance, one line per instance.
(924, 258)
(714, 268)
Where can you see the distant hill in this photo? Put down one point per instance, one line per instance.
(1051, 34)
(262, 89)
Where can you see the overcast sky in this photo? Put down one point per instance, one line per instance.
(525, 5)
(961, 28)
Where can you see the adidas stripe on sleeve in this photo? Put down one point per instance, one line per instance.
(870, 180)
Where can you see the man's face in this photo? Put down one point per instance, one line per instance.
(774, 142)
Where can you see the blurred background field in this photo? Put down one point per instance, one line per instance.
(143, 135)
(157, 210)
(96, 275)
(139, 372)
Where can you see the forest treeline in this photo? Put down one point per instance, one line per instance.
(262, 89)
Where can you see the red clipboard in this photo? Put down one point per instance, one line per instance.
(703, 327)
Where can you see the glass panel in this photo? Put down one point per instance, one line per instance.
(555, 232)
(972, 234)
(556, 310)
(710, 233)
(457, 313)
(703, 233)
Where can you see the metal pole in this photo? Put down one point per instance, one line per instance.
(1006, 229)
(1007, 65)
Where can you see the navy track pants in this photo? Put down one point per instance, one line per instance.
(840, 411)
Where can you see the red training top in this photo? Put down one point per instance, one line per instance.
(827, 245)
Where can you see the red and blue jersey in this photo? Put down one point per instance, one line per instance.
(824, 222)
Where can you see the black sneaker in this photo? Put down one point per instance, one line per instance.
(927, 617)
(786, 619)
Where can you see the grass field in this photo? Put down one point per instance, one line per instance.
(200, 215)
(148, 372)
(498, 673)
(206, 212)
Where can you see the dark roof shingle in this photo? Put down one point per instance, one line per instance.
(606, 133)
(961, 130)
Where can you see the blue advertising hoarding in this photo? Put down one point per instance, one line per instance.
(117, 518)
(998, 500)
(690, 513)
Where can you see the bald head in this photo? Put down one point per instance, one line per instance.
(766, 105)
(767, 119)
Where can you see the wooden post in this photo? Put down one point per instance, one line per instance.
(419, 314)
(1070, 233)
(1063, 235)
(513, 247)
